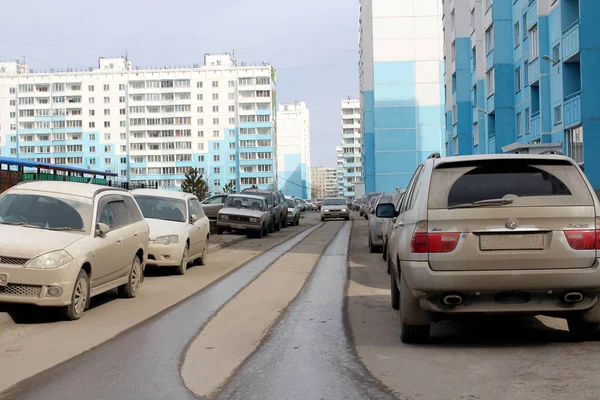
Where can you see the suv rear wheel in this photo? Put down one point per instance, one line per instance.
(580, 330)
(409, 305)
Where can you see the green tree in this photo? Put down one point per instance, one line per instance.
(229, 188)
(194, 183)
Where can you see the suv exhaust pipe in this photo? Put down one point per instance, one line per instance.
(452, 300)
(573, 297)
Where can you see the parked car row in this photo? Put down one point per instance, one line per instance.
(62, 243)
(491, 234)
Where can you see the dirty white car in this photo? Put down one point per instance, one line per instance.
(63, 242)
(179, 229)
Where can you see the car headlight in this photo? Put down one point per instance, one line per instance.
(167, 239)
(52, 260)
(224, 216)
(344, 210)
(326, 210)
(253, 220)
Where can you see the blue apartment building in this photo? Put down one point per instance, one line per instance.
(524, 78)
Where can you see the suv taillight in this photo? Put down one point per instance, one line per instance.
(584, 239)
(432, 242)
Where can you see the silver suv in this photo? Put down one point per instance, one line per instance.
(495, 234)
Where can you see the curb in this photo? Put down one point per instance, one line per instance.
(214, 247)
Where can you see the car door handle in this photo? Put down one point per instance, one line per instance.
(119, 241)
(135, 234)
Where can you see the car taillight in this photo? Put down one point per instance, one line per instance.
(432, 242)
(583, 239)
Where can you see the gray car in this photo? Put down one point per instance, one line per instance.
(364, 205)
(293, 213)
(334, 208)
(376, 224)
(212, 205)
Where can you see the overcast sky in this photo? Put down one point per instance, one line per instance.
(313, 44)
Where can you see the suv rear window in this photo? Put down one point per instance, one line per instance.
(528, 182)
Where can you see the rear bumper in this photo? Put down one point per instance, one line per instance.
(479, 288)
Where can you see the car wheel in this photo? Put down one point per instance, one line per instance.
(372, 248)
(411, 333)
(202, 259)
(580, 330)
(271, 227)
(395, 292)
(182, 268)
(384, 251)
(261, 233)
(284, 223)
(297, 221)
(278, 225)
(130, 289)
(322, 219)
(79, 299)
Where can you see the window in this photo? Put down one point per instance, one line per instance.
(200, 121)
(476, 134)
(556, 54)
(215, 108)
(215, 96)
(518, 79)
(527, 116)
(519, 125)
(107, 150)
(525, 26)
(526, 73)
(200, 109)
(231, 121)
(454, 114)
(216, 146)
(106, 100)
(215, 84)
(231, 108)
(533, 43)
(455, 145)
(107, 136)
(12, 102)
(106, 88)
(215, 121)
(121, 99)
(91, 88)
(92, 113)
(216, 158)
(107, 124)
(231, 96)
(473, 19)
(232, 145)
(200, 96)
(217, 170)
(106, 111)
(123, 136)
(489, 39)
(199, 85)
(557, 115)
(121, 86)
(574, 143)
(200, 133)
(91, 100)
(92, 124)
(200, 158)
(489, 78)
(517, 34)
(216, 133)
(231, 84)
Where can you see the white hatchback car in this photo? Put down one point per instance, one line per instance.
(64, 242)
(179, 229)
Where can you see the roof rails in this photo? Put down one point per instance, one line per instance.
(434, 155)
(556, 152)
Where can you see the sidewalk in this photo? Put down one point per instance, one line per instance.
(221, 241)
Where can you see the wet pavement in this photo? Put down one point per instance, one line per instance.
(307, 354)
(144, 362)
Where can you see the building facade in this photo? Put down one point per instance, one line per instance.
(324, 182)
(401, 85)
(147, 125)
(351, 171)
(339, 152)
(293, 149)
(522, 78)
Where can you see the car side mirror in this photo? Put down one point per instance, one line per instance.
(385, 210)
(194, 218)
(102, 229)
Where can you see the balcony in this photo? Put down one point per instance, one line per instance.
(570, 42)
(533, 71)
(572, 110)
(535, 124)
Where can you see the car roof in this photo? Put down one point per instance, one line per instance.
(250, 196)
(257, 191)
(73, 188)
(484, 157)
(171, 194)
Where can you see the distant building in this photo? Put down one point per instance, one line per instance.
(339, 152)
(351, 170)
(522, 77)
(324, 182)
(147, 125)
(401, 86)
(293, 149)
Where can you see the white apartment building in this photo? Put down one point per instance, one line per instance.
(293, 149)
(324, 182)
(339, 152)
(147, 125)
(351, 168)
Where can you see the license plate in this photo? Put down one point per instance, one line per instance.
(3, 279)
(512, 242)
(238, 226)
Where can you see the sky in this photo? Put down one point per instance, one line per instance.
(313, 44)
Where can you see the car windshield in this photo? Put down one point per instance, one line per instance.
(167, 209)
(245, 202)
(267, 196)
(291, 203)
(48, 211)
(334, 202)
